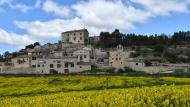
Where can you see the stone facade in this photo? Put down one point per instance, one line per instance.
(75, 36)
(117, 58)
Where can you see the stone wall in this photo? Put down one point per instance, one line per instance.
(12, 70)
(157, 69)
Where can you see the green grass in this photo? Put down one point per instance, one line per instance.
(21, 91)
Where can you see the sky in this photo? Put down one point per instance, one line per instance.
(24, 22)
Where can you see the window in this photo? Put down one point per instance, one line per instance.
(42, 65)
(116, 59)
(80, 33)
(66, 64)
(38, 65)
(51, 65)
(58, 65)
(80, 66)
(112, 58)
(74, 34)
(66, 70)
(33, 58)
(58, 61)
(67, 34)
(121, 62)
(74, 38)
(80, 38)
(81, 58)
(84, 56)
(136, 63)
(72, 65)
(119, 58)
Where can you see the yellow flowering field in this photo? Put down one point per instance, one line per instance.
(94, 91)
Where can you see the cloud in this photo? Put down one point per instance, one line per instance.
(22, 7)
(164, 7)
(51, 7)
(11, 38)
(110, 14)
(13, 4)
(49, 29)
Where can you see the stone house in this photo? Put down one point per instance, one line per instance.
(118, 57)
(24, 61)
(75, 36)
(56, 65)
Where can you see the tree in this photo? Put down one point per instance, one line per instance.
(1, 58)
(36, 44)
(6, 55)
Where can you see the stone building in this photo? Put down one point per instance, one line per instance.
(56, 65)
(118, 57)
(75, 36)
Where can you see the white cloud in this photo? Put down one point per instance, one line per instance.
(49, 29)
(52, 7)
(11, 38)
(22, 7)
(110, 14)
(164, 7)
(13, 4)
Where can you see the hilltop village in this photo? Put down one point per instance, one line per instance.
(73, 54)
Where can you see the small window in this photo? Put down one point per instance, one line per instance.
(38, 65)
(33, 58)
(58, 61)
(136, 63)
(80, 38)
(84, 56)
(112, 58)
(80, 33)
(121, 62)
(42, 65)
(58, 65)
(66, 64)
(81, 58)
(116, 59)
(74, 34)
(51, 65)
(119, 58)
(80, 66)
(74, 38)
(72, 65)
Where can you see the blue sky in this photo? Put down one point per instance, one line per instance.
(26, 21)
